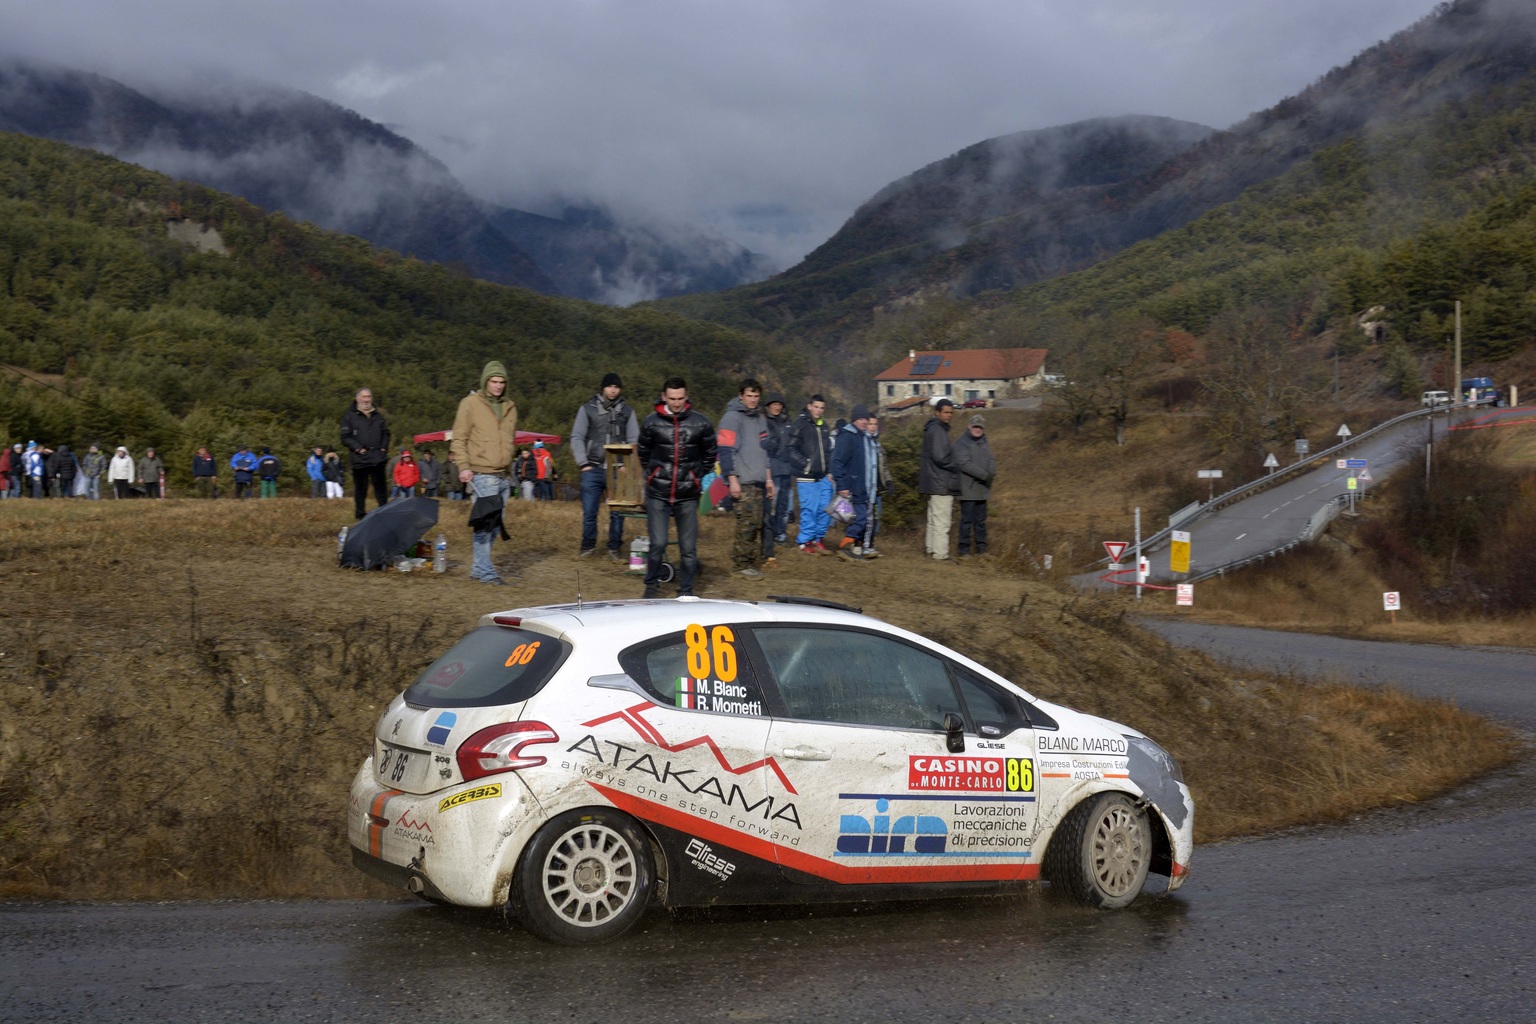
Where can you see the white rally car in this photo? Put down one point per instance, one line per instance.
(575, 764)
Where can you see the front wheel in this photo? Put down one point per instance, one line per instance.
(1101, 852)
(586, 878)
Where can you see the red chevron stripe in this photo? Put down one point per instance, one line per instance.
(652, 735)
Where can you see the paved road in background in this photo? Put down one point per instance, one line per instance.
(1418, 915)
(1279, 515)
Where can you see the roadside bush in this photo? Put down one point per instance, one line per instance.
(1461, 537)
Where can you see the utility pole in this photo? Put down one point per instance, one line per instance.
(1456, 380)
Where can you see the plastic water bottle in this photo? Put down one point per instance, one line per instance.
(440, 554)
(639, 551)
(341, 541)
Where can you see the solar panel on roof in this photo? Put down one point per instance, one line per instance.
(926, 365)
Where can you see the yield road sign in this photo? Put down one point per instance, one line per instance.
(1116, 548)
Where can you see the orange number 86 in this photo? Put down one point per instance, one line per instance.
(699, 654)
(522, 654)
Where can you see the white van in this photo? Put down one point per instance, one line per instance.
(1431, 399)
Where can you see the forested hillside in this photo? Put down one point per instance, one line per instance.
(113, 331)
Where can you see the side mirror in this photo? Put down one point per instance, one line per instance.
(954, 733)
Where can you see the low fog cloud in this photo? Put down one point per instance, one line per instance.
(767, 122)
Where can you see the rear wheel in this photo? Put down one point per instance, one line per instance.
(1101, 852)
(586, 877)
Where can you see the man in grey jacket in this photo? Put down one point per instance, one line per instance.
(603, 419)
(976, 467)
(744, 464)
(936, 478)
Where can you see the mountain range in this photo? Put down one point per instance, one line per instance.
(313, 160)
(1009, 213)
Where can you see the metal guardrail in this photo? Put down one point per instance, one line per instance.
(1313, 530)
(1156, 540)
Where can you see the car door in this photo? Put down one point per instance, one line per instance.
(687, 756)
(886, 793)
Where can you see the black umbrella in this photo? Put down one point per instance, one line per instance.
(388, 532)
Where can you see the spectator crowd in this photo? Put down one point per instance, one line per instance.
(786, 479)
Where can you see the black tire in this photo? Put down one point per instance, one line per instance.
(586, 878)
(1100, 853)
(665, 572)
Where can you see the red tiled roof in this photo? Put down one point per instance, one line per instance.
(905, 403)
(974, 364)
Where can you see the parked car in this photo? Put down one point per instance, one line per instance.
(576, 764)
(975, 403)
(1434, 398)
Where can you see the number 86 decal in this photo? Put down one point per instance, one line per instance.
(708, 649)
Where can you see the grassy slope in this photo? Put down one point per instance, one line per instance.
(190, 686)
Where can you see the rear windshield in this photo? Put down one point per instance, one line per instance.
(491, 665)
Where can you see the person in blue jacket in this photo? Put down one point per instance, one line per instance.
(855, 474)
(243, 462)
(314, 467)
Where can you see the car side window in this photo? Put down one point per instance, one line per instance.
(856, 678)
(699, 669)
(994, 712)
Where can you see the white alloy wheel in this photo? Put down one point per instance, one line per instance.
(586, 877)
(1101, 851)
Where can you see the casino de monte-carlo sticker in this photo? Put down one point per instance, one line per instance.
(953, 774)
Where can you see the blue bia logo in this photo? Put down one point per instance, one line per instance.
(881, 835)
(437, 736)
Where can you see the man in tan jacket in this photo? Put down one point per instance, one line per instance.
(484, 445)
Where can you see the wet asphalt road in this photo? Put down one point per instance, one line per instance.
(1423, 915)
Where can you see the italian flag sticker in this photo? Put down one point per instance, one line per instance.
(688, 695)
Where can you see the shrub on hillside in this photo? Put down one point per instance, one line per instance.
(1460, 537)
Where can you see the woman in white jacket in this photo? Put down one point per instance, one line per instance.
(120, 472)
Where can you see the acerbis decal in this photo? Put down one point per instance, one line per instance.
(437, 736)
(702, 856)
(971, 774)
(859, 836)
(469, 796)
(1049, 744)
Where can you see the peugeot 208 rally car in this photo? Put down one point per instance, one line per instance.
(575, 764)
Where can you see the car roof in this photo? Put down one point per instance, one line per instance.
(620, 620)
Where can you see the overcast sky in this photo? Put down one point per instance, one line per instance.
(769, 121)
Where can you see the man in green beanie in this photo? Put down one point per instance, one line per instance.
(484, 445)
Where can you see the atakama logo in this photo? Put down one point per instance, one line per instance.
(632, 716)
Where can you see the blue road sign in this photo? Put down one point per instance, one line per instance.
(1354, 463)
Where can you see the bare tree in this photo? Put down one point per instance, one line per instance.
(1258, 386)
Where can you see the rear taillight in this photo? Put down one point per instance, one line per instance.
(499, 748)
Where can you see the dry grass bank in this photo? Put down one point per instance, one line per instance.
(189, 686)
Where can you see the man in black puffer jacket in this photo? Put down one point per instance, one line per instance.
(676, 447)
